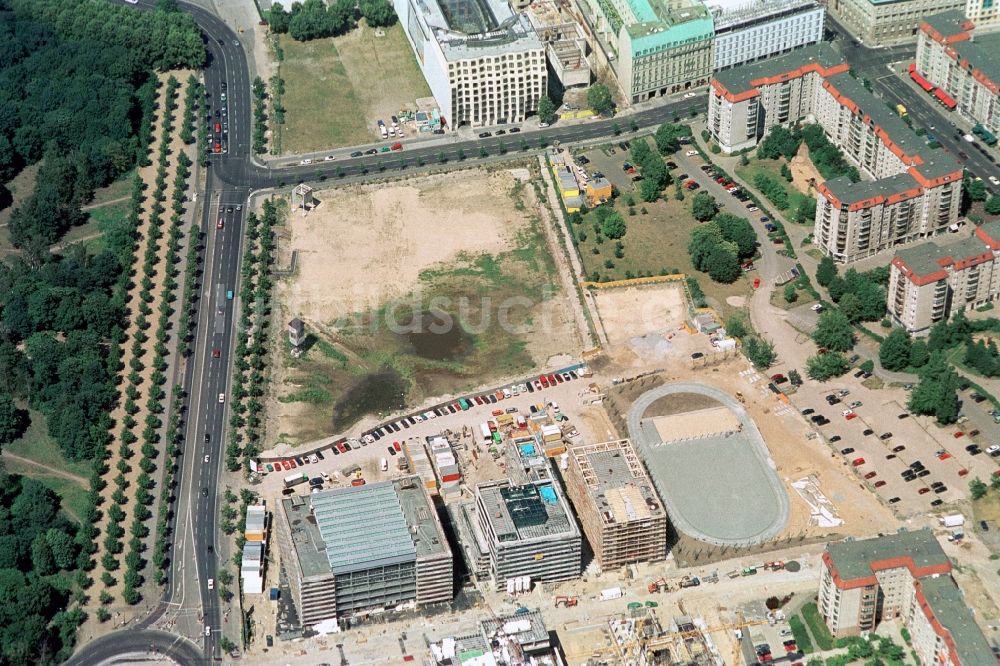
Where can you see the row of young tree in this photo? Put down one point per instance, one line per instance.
(314, 19)
(249, 367)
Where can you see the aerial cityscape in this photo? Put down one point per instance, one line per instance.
(498, 332)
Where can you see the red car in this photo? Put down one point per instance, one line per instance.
(285, 465)
(958, 434)
(858, 462)
(218, 148)
(852, 415)
(963, 472)
(218, 128)
(220, 224)
(396, 446)
(879, 484)
(397, 146)
(871, 475)
(552, 380)
(291, 464)
(923, 491)
(216, 353)
(944, 456)
(756, 283)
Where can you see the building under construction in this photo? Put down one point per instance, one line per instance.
(618, 507)
(512, 640)
(639, 638)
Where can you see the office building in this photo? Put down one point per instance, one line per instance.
(357, 549)
(931, 281)
(907, 577)
(887, 22)
(964, 66)
(658, 47)
(525, 523)
(750, 31)
(916, 191)
(483, 62)
(620, 512)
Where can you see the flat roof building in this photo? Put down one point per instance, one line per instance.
(621, 514)
(505, 640)
(355, 549)
(932, 281)
(904, 576)
(964, 64)
(750, 31)
(887, 22)
(916, 191)
(525, 521)
(483, 62)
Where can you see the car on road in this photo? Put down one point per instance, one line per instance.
(216, 353)
(689, 95)
(218, 148)
(222, 398)
(357, 153)
(329, 158)
(371, 151)
(514, 130)
(485, 135)
(306, 162)
(211, 586)
(207, 458)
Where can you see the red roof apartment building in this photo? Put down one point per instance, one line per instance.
(931, 281)
(962, 65)
(904, 577)
(914, 192)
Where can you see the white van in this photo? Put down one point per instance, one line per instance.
(385, 465)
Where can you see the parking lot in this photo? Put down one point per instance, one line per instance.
(872, 432)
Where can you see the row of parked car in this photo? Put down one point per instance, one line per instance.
(292, 463)
(539, 384)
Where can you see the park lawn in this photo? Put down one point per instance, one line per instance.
(655, 243)
(337, 88)
(817, 627)
(37, 446)
(772, 168)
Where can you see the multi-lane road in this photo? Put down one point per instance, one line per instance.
(231, 178)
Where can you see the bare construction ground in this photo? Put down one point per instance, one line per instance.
(413, 290)
(631, 311)
(795, 457)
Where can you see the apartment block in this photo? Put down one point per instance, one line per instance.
(985, 13)
(905, 577)
(525, 522)
(915, 193)
(483, 61)
(888, 22)
(964, 64)
(357, 549)
(620, 512)
(658, 47)
(931, 281)
(748, 32)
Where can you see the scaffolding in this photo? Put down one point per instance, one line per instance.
(302, 198)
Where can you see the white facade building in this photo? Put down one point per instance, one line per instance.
(748, 31)
(484, 64)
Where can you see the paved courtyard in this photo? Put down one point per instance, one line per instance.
(719, 489)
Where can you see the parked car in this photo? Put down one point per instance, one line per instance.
(847, 451)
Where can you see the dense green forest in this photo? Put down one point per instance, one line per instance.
(76, 92)
(39, 551)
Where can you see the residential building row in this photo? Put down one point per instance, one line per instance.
(931, 281)
(914, 192)
(348, 551)
(963, 63)
(904, 577)
(893, 22)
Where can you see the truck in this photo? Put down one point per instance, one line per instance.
(901, 110)
(296, 479)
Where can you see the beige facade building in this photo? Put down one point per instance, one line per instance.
(983, 12)
(658, 47)
(887, 22)
(931, 281)
(618, 508)
(963, 64)
(915, 192)
(904, 577)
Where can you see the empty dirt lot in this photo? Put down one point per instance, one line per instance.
(413, 290)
